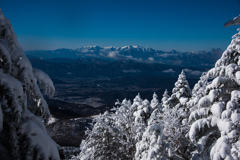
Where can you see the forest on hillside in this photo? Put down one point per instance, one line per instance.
(202, 123)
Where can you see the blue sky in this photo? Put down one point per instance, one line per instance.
(185, 25)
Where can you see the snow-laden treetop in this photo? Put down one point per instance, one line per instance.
(234, 21)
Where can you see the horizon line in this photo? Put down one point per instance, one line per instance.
(206, 50)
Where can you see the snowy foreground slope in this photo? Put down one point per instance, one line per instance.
(200, 124)
(23, 112)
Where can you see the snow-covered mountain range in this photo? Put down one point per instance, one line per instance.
(135, 53)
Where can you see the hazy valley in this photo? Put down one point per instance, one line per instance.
(88, 86)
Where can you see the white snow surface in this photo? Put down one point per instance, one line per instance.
(224, 126)
(204, 102)
(52, 120)
(40, 139)
(235, 95)
(226, 114)
(45, 82)
(237, 75)
(183, 100)
(217, 108)
(197, 126)
(221, 149)
(198, 113)
(235, 117)
(235, 150)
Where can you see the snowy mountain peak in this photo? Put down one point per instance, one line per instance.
(124, 47)
(116, 48)
(92, 47)
(131, 47)
(136, 46)
(108, 47)
(135, 53)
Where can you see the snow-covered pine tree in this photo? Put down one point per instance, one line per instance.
(165, 97)
(125, 128)
(145, 109)
(181, 92)
(173, 131)
(124, 121)
(132, 121)
(151, 146)
(143, 112)
(164, 101)
(137, 101)
(121, 130)
(138, 109)
(23, 108)
(215, 123)
(102, 141)
(155, 102)
(173, 115)
(157, 112)
(198, 92)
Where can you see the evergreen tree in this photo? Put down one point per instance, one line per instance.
(143, 112)
(112, 136)
(151, 146)
(174, 114)
(198, 92)
(154, 145)
(139, 115)
(164, 101)
(125, 122)
(23, 108)
(137, 101)
(215, 122)
(181, 92)
(165, 97)
(101, 142)
(173, 131)
(155, 102)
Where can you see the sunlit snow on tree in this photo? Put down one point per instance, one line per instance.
(200, 124)
(215, 127)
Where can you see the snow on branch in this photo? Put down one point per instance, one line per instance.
(45, 82)
(22, 106)
(13, 98)
(38, 142)
(5, 59)
(197, 126)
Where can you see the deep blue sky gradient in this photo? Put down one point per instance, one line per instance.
(185, 25)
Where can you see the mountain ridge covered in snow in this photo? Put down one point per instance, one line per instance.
(135, 53)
